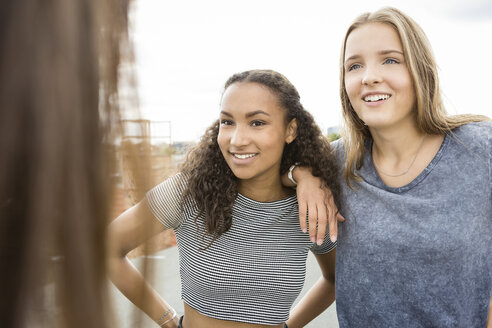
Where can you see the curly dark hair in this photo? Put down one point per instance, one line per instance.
(212, 184)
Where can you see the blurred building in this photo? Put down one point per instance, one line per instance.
(145, 157)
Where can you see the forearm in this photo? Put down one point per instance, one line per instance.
(298, 174)
(133, 285)
(317, 300)
(489, 320)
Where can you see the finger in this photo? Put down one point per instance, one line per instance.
(302, 215)
(331, 206)
(340, 218)
(333, 226)
(322, 220)
(333, 216)
(313, 219)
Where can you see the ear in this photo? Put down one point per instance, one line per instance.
(291, 131)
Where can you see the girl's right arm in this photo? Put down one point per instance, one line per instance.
(126, 232)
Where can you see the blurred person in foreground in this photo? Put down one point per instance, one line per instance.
(58, 116)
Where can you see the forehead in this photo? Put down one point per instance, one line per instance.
(370, 38)
(248, 95)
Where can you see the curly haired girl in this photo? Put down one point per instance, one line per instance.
(242, 254)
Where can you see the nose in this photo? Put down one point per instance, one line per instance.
(239, 136)
(371, 76)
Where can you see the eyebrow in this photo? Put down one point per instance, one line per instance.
(250, 114)
(382, 52)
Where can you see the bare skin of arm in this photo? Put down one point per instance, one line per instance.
(126, 232)
(319, 297)
(315, 198)
(489, 320)
(129, 230)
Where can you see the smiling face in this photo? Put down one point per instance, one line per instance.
(253, 132)
(377, 80)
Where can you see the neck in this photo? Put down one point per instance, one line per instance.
(397, 144)
(264, 191)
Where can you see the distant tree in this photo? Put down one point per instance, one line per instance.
(333, 136)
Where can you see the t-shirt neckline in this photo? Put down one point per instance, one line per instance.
(251, 203)
(370, 172)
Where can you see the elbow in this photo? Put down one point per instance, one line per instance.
(329, 277)
(330, 280)
(117, 254)
(116, 249)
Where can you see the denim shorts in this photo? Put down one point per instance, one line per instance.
(181, 323)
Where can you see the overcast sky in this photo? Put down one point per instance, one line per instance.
(186, 50)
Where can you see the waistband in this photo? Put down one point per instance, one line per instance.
(181, 323)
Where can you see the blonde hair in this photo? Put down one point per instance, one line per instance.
(431, 116)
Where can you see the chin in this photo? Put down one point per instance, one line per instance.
(241, 175)
(378, 123)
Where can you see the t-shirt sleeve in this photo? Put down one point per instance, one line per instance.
(164, 201)
(325, 247)
(338, 147)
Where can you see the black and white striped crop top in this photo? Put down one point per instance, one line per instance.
(252, 273)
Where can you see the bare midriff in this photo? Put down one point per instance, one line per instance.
(194, 319)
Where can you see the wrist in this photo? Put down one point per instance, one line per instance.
(167, 317)
(172, 323)
(299, 173)
(290, 174)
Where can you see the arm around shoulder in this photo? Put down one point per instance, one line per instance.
(314, 197)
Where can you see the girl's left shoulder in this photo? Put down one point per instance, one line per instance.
(478, 133)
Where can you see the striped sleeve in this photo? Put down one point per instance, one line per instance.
(164, 201)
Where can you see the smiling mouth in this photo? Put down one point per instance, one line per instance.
(243, 156)
(373, 98)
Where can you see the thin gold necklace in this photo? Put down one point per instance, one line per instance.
(400, 174)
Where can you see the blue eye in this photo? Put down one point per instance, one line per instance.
(353, 66)
(391, 61)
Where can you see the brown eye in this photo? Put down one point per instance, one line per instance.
(225, 122)
(257, 123)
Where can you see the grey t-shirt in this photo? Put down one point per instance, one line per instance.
(420, 255)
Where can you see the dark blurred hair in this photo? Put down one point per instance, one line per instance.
(213, 186)
(58, 103)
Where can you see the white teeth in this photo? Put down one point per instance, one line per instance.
(244, 156)
(376, 97)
